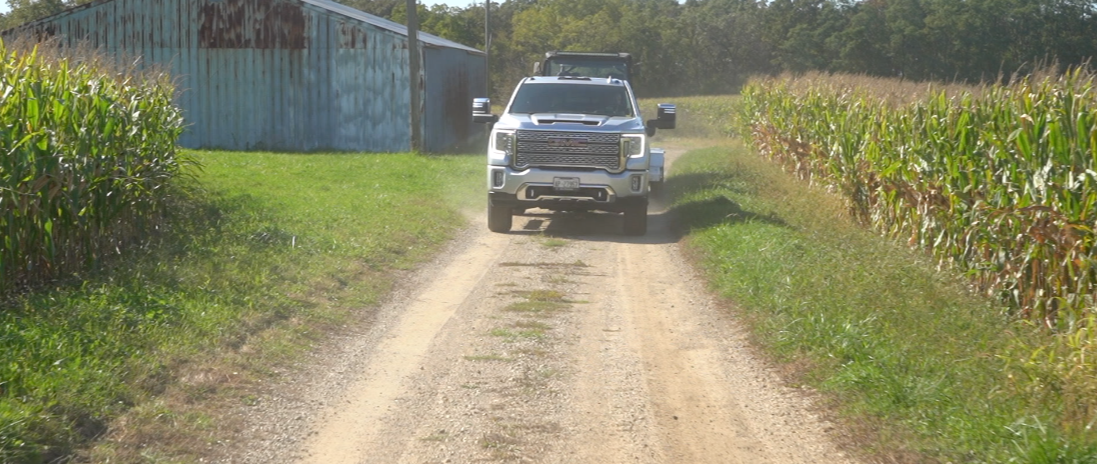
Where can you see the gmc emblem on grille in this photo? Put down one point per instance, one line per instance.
(562, 142)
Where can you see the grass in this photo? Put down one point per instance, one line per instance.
(539, 302)
(918, 366)
(264, 253)
(513, 336)
(532, 325)
(698, 117)
(554, 243)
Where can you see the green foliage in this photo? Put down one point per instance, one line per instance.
(998, 182)
(21, 11)
(262, 250)
(708, 47)
(713, 46)
(917, 365)
(88, 156)
(704, 117)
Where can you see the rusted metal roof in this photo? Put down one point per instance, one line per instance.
(334, 7)
(393, 26)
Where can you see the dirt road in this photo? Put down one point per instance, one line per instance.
(561, 342)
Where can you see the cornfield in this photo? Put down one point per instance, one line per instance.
(999, 181)
(88, 150)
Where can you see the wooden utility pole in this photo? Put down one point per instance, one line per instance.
(413, 75)
(487, 48)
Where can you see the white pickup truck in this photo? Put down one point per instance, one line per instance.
(572, 143)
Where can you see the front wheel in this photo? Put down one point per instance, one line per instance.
(499, 218)
(636, 218)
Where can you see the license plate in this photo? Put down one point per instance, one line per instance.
(565, 183)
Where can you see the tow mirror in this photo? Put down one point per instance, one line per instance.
(481, 111)
(666, 118)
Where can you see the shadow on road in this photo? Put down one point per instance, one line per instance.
(595, 227)
(602, 227)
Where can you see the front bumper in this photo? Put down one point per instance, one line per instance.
(533, 188)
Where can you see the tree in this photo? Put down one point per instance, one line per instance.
(798, 31)
(23, 11)
(723, 42)
(862, 46)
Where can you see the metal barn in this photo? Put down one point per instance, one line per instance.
(293, 75)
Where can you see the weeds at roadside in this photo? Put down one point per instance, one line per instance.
(257, 262)
(897, 343)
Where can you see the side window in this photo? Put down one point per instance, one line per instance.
(614, 101)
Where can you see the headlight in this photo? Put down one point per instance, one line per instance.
(632, 146)
(504, 142)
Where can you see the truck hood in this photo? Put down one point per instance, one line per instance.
(570, 122)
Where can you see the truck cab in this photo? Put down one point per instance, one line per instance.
(571, 143)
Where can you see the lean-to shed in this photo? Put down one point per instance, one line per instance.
(294, 75)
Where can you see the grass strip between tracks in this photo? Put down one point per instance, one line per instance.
(264, 254)
(919, 366)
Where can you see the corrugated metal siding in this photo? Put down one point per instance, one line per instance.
(453, 78)
(295, 75)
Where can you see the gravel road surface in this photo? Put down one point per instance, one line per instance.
(560, 342)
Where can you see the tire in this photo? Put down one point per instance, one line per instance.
(499, 218)
(636, 218)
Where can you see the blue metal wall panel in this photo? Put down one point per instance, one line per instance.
(291, 75)
(453, 77)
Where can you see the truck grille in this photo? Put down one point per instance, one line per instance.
(568, 149)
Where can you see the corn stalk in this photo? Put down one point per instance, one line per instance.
(86, 154)
(999, 181)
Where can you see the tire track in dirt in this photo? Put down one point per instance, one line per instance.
(697, 420)
(347, 435)
(562, 342)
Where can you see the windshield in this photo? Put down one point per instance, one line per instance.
(558, 66)
(606, 100)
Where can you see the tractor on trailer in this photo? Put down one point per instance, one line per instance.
(572, 143)
(615, 65)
